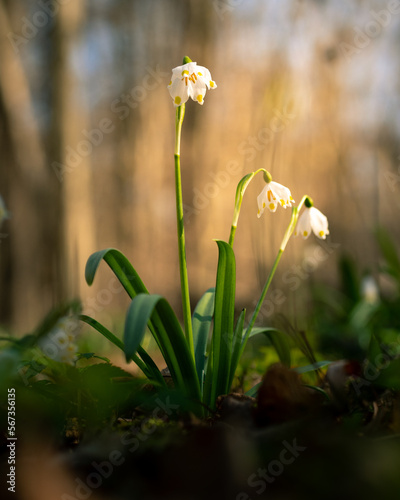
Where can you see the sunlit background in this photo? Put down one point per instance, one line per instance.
(309, 90)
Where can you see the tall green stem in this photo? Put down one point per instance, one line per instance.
(288, 233)
(240, 190)
(180, 113)
(264, 292)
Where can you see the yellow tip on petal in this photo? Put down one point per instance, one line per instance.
(263, 205)
(321, 233)
(177, 100)
(200, 73)
(271, 206)
(305, 234)
(212, 84)
(200, 99)
(185, 72)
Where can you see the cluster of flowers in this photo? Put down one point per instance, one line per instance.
(311, 220)
(59, 343)
(191, 80)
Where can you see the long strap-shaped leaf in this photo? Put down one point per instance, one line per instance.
(168, 335)
(148, 367)
(201, 323)
(121, 267)
(223, 320)
(236, 344)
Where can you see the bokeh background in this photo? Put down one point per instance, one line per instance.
(308, 89)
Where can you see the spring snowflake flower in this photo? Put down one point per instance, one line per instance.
(272, 195)
(312, 220)
(369, 290)
(190, 80)
(59, 343)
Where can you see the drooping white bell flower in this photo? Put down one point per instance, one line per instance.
(272, 195)
(190, 80)
(312, 220)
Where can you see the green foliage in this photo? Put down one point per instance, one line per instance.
(223, 321)
(201, 321)
(168, 335)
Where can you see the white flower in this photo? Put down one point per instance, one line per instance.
(192, 81)
(312, 220)
(59, 343)
(272, 195)
(369, 290)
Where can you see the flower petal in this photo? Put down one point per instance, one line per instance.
(266, 199)
(178, 91)
(205, 75)
(319, 223)
(303, 226)
(282, 193)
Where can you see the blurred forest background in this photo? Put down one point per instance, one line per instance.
(308, 89)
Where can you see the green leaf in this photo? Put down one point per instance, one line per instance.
(103, 330)
(169, 337)
(201, 323)
(313, 367)
(278, 339)
(121, 267)
(148, 367)
(349, 279)
(374, 349)
(390, 253)
(318, 389)
(92, 355)
(237, 341)
(254, 390)
(223, 320)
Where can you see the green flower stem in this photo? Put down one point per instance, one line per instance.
(240, 190)
(232, 235)
(262, 297)
(180, 113)
(288, 233)
(292, 223)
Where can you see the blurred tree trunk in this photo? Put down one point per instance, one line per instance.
(71, 153)
(24, 294)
